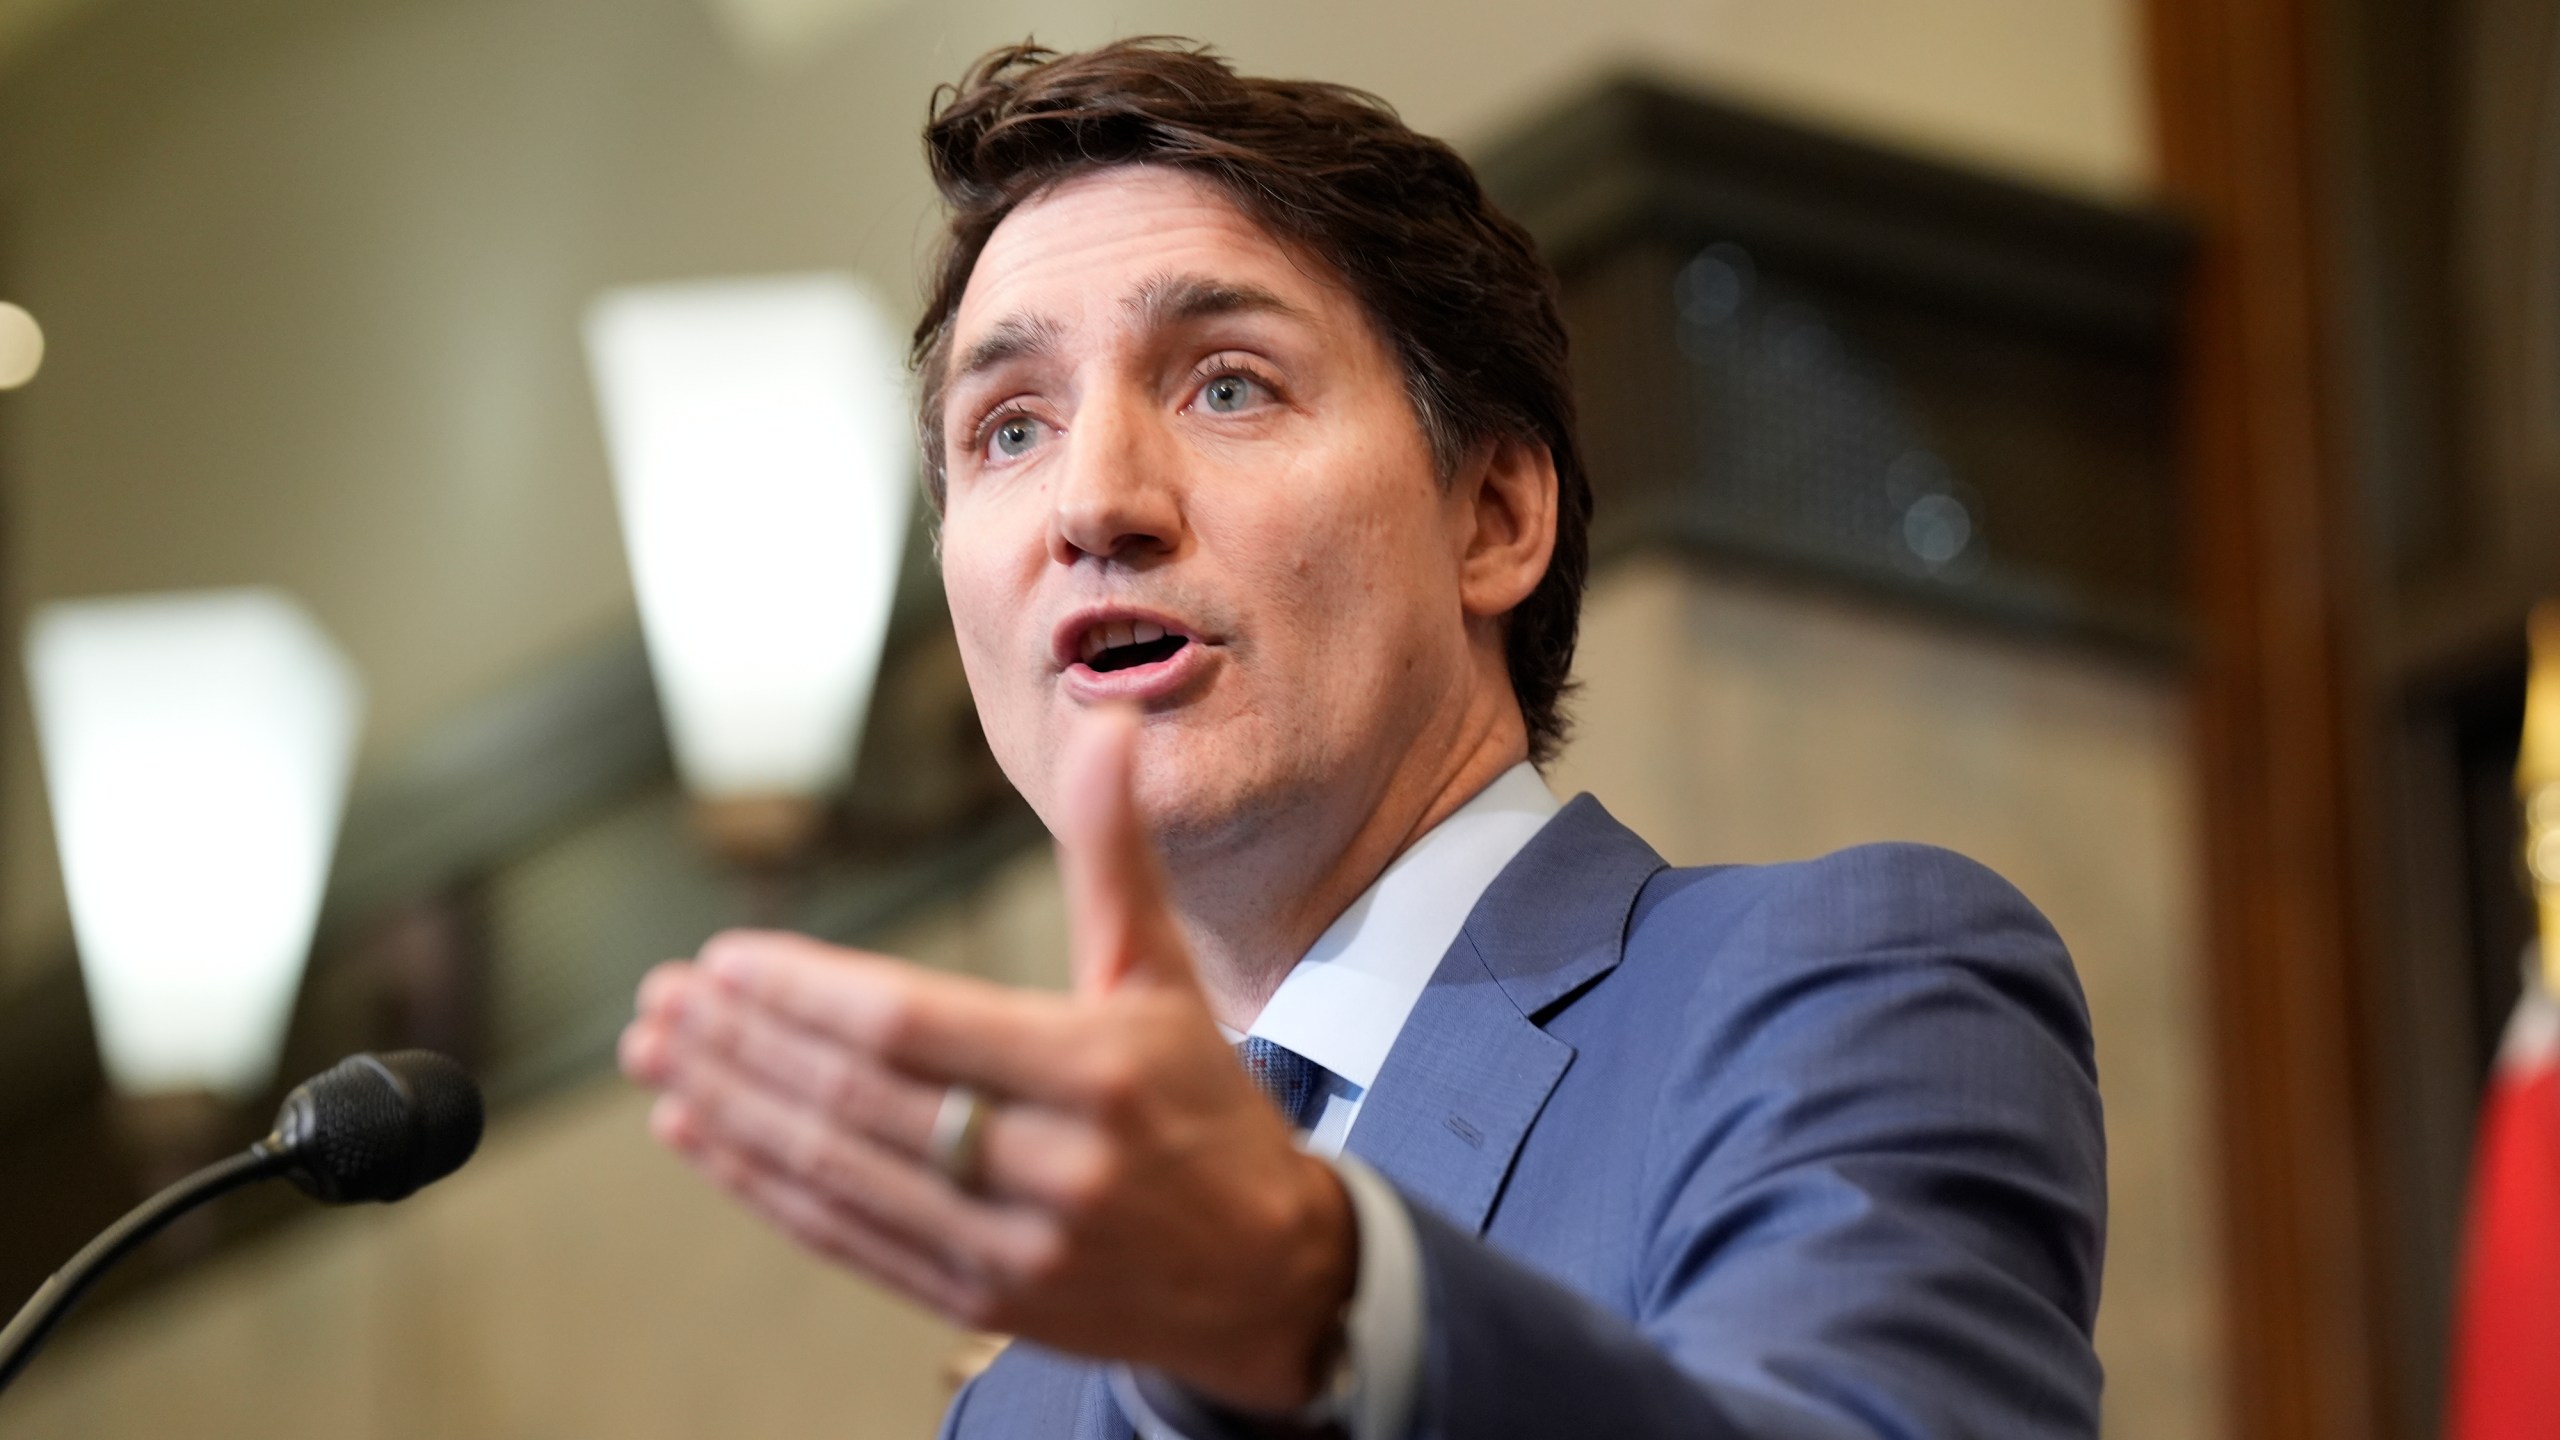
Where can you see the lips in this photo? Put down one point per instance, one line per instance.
(1126, 653)
(1126, 644)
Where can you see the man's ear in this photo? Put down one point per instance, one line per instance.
(1511, 526)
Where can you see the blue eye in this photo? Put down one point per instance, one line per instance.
(1014, 438)
(1227, 394)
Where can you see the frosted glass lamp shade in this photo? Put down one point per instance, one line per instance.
(196, 751)
(764, 462)
(21, 346)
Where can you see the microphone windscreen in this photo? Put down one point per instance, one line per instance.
(376, 1127)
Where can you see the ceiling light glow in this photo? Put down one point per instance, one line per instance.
(196, 751)
(764, 462)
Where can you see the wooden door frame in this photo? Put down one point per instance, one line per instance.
(2286, 769)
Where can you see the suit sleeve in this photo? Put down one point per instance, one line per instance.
(1874, 1195)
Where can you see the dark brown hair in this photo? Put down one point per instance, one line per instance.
(1456, 288)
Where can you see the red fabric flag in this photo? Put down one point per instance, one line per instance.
(2505, 1380)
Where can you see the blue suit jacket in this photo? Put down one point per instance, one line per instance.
(1804, 1150)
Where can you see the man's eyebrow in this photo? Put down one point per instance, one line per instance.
(1159, 302)
(1011, 338)
(1163, 301)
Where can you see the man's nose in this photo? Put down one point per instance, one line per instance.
(1119, 498)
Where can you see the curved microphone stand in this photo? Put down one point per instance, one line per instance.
(371, 1127)
(27, 1333)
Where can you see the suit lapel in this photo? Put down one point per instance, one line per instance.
(1472, 1068)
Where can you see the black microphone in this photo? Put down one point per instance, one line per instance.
(376, 1127)
(371, 1127)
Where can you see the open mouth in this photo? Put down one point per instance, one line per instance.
(1127, 644)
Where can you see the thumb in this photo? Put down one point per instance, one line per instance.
(1119, 912)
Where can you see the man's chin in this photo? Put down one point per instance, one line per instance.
(1199, 805)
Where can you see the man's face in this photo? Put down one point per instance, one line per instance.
(1183, 472)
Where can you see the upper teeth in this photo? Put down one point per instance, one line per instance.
(1112, 634)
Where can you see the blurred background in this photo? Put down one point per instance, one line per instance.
(2119, 439)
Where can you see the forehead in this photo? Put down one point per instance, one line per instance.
(1081, 252)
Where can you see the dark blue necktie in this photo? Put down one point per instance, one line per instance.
(1285, 1077)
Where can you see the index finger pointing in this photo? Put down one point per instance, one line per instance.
(937, 1026)
(1120, 917)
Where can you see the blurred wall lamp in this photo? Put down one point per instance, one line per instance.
(21, 346)
(196, 751)
(764, 462)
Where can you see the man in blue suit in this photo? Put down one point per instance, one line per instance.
(1392, 1098)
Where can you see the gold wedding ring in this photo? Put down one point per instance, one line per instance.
(959, 1132)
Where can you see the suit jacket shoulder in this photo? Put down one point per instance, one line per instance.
(1828, 1142)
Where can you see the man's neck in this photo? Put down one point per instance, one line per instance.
(1253, 910)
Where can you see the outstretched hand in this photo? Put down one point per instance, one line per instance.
(1133, 1197)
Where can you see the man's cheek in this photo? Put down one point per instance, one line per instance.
(1008, 689)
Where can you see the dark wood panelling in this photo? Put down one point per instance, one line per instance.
(2286, 770)
(2493, 263)
(1817, 355)
(2446, 147)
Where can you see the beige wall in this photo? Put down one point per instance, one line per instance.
(312, 268)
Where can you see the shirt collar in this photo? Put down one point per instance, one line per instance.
(1343, 1005)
